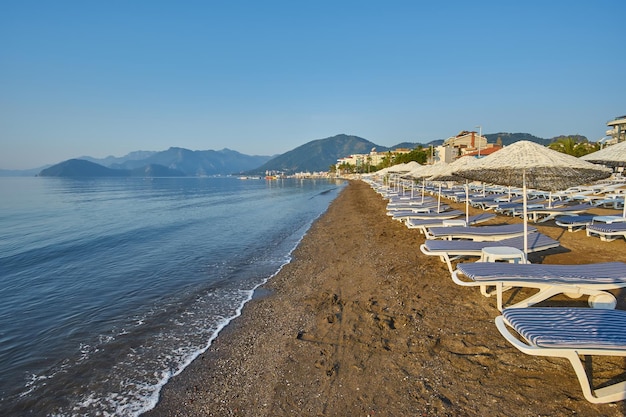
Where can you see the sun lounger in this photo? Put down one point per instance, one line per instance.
(449, 250)
(607, 232)
(570, 333)
(609, 219)
(443, 215)
(423, 224)
(574, 223)
(410, 203)
(573, 280)
(540, 215)
(478, 233)
(402, 215)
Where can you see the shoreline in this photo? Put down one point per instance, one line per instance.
(361, 323)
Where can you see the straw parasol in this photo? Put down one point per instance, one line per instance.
(612, 156)
(528, 164)
(421, 173)
(448, 173)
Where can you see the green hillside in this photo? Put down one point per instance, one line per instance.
(318, 155)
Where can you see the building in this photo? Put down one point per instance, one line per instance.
(370, 159)
(466, 142)
(617, 129)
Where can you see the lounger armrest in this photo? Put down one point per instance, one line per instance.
(457, 280)
(503, 328)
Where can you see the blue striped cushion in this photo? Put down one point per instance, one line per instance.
(494, 230)
(575, 220)
(536, 241)
(598, 273)
(607, 228)
(557, 327)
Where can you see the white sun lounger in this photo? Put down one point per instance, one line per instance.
(607, 232)
(540, 215)
(450, 250)
(442, 215)
(411, 207)
(570, 333)
(573, 280)
(402, 215)
(574, 223)
(479, 233)
(423, 224)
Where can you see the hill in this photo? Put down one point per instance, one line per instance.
(112, 160)
(509, 138)
(80, 168)
(318, 155)
(198, 163)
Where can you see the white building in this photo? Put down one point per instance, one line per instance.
(617, 130)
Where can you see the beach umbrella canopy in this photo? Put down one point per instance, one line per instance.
(421, 172)
(403, 168)
(528, 164)
(613, 156)
(543, 168)
(447, 172)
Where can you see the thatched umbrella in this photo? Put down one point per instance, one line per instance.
(528, 164)
(612, 156)
(421, 173)
(448, 173)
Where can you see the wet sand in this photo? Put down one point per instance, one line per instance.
(361, 323)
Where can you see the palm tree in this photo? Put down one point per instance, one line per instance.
(571, 146)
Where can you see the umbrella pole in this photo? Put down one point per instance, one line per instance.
(550, 200)
(423, 188)
(525, 203)
(467, 203)
(439, 198)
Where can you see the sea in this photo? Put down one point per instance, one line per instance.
(109, 287)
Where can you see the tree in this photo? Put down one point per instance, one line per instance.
(573, 146)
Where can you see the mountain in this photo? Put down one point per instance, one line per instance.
(112, 160)
(413, 145)
(318, 155)
(82, 168)
(509, 138)
(199, 163)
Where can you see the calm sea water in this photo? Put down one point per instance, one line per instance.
(109, 287)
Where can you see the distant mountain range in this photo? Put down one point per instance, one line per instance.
(174, 162)
(314, 156)
(84, 168)
(318, 155)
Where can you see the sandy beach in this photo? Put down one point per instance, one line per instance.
(361, 323)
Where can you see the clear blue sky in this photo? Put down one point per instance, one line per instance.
(109, 77)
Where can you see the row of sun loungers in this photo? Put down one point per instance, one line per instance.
(567, 332)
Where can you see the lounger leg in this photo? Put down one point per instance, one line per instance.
(612, 393)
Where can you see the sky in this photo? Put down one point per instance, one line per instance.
(100, 78)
